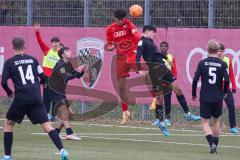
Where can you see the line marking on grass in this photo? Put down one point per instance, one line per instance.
(139, 134)
(145, 128)
(132, 127)
(148, 141)
(164, 142)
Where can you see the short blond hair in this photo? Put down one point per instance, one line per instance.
(213, 46)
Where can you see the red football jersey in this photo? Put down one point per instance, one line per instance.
(125, 37)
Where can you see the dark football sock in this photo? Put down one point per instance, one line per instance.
(168, 116)
(8, 138)
(182, 101)
(209, 139)
(215, 140)
(69, 131)
(58, 130)
(159, 112)
(53, 134)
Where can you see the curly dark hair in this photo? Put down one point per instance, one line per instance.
(120, 13)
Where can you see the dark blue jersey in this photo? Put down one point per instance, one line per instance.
(62, 73)
(212, 71)
(24, 71)
(148, 49)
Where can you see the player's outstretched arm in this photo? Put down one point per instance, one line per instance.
(78, 73)
(5, 77)
(41, 43)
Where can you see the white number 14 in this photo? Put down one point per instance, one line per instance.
(28, 76)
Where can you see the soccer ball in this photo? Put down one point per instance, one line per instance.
(135, 10)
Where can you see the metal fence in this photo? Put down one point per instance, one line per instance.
(97, 13)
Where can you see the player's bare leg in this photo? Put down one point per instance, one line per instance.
(64, 116)
(216, 129)
(47, 127)
(122, 91)
(209, 134)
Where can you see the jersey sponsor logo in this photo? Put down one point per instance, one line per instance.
(196, 52)
(90, 51)
(1, 59)
(119, 33)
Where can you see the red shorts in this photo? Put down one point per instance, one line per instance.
(124, 64)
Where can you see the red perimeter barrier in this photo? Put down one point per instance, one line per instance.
(187, 45)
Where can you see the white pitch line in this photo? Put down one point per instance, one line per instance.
(133, 127)
(144, 128)
(133, 134)
(138, 140)
(117, 134)
(164, 142)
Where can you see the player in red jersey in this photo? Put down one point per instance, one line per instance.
(229, 100)
(49, 61)
(123, 36)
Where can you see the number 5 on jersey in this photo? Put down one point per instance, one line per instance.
(212, 74)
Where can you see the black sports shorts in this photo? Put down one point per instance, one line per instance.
(208, 110)
(36, 111)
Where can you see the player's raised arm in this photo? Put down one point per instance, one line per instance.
(195, 81)
(135, 33)
(5, 77)
(41, 43)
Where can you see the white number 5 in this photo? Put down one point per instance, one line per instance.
(212, 74)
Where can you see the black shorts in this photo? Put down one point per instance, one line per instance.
(161, 78)
(36, 112)
(208, 110)
(59, 100)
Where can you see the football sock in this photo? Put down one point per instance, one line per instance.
(168, 116)
(182, 101)
(209, 139)
(69, 131)
(153, 94)
(8, 138)
(58, 130)
(56, 139)
(215, 140)
(124, 107)
(159, 112)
